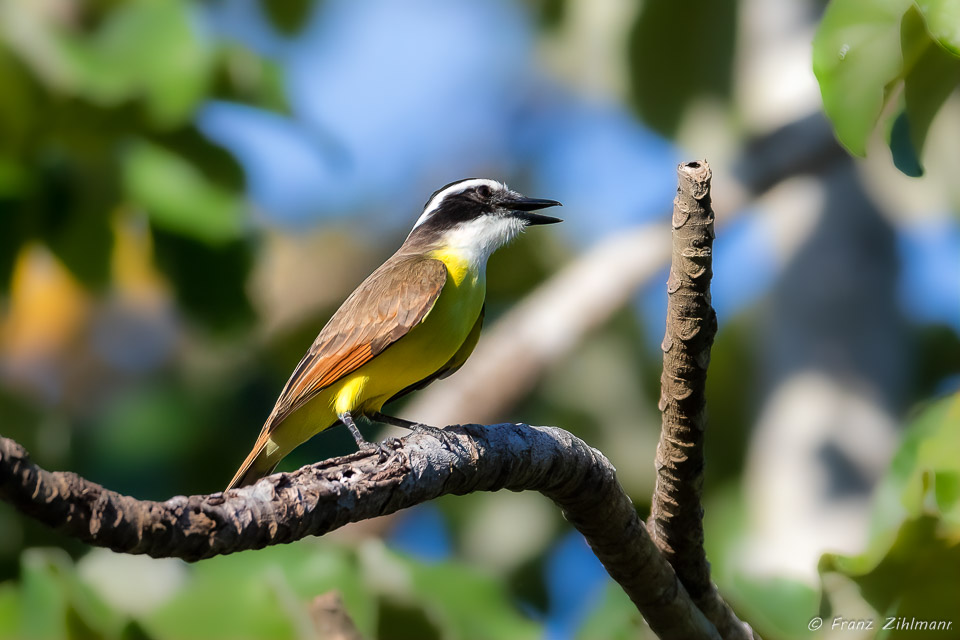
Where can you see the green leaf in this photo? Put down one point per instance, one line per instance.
(210, 280)
(148, 431)
(399, 621)
(56, 604)
(214, 162)
(43, 597)
(943, 21)
(677, 55)
(260, 594)
(262, 82)
(177, 197)
(777, 607)
(11, 611)
(288, 16)
(856, 55)
(152, 43)
(901, 146)
(468, 604)
(930, 74)
(147, 49)
(12, 236)
(18, 111)
(912, 560)
(928, 451)
(616, 618)
(69, 208)
(916, 577)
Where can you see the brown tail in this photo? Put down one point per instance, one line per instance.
(258, 464)
(264, 458)
(249, 473)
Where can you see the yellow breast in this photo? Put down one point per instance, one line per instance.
(412, 358)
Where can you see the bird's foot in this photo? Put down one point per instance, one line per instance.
(382, 450)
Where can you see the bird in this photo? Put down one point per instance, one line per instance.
(414, 320)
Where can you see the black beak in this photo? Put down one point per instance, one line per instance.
(524, 207)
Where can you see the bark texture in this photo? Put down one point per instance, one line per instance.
(327, 495)
(676, 513)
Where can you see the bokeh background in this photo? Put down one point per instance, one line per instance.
(189, 189)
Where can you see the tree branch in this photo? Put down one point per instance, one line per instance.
(329, 494)
(676, 513)
(691, 325)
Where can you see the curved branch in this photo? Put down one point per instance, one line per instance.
(329, 494)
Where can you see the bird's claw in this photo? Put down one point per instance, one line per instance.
(382, 450)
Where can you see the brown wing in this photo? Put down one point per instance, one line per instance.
(390, 302)
(394, 299)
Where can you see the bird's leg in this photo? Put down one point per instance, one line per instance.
(362, 444)
(400, 422)
(347, 419)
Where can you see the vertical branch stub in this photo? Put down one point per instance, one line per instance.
(676, 518)
(690, 328)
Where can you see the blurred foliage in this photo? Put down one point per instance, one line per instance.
(255, 595)
(669, 64)
(288, 15)
(138, 348)
(99, 118)
(868, 53)
(910, 567)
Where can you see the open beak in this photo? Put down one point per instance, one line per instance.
(524, 207)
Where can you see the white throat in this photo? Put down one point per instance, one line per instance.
(476, 239)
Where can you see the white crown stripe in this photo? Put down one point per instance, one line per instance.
(455, 188)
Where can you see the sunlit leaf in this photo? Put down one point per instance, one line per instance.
(778, 607)
(616, 618)
(856, 54)
(943, 21)
(154, 43)
(913, 557)
(56, 604)
(44, 600)
(259, 594)
(147, 49)
(866, 50)
(930, 74)
(11, 611)
(470, 605)
(177, 197)
(915, 578)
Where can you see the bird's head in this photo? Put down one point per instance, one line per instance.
(477, 215)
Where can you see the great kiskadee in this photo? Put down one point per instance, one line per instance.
(415, 319)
